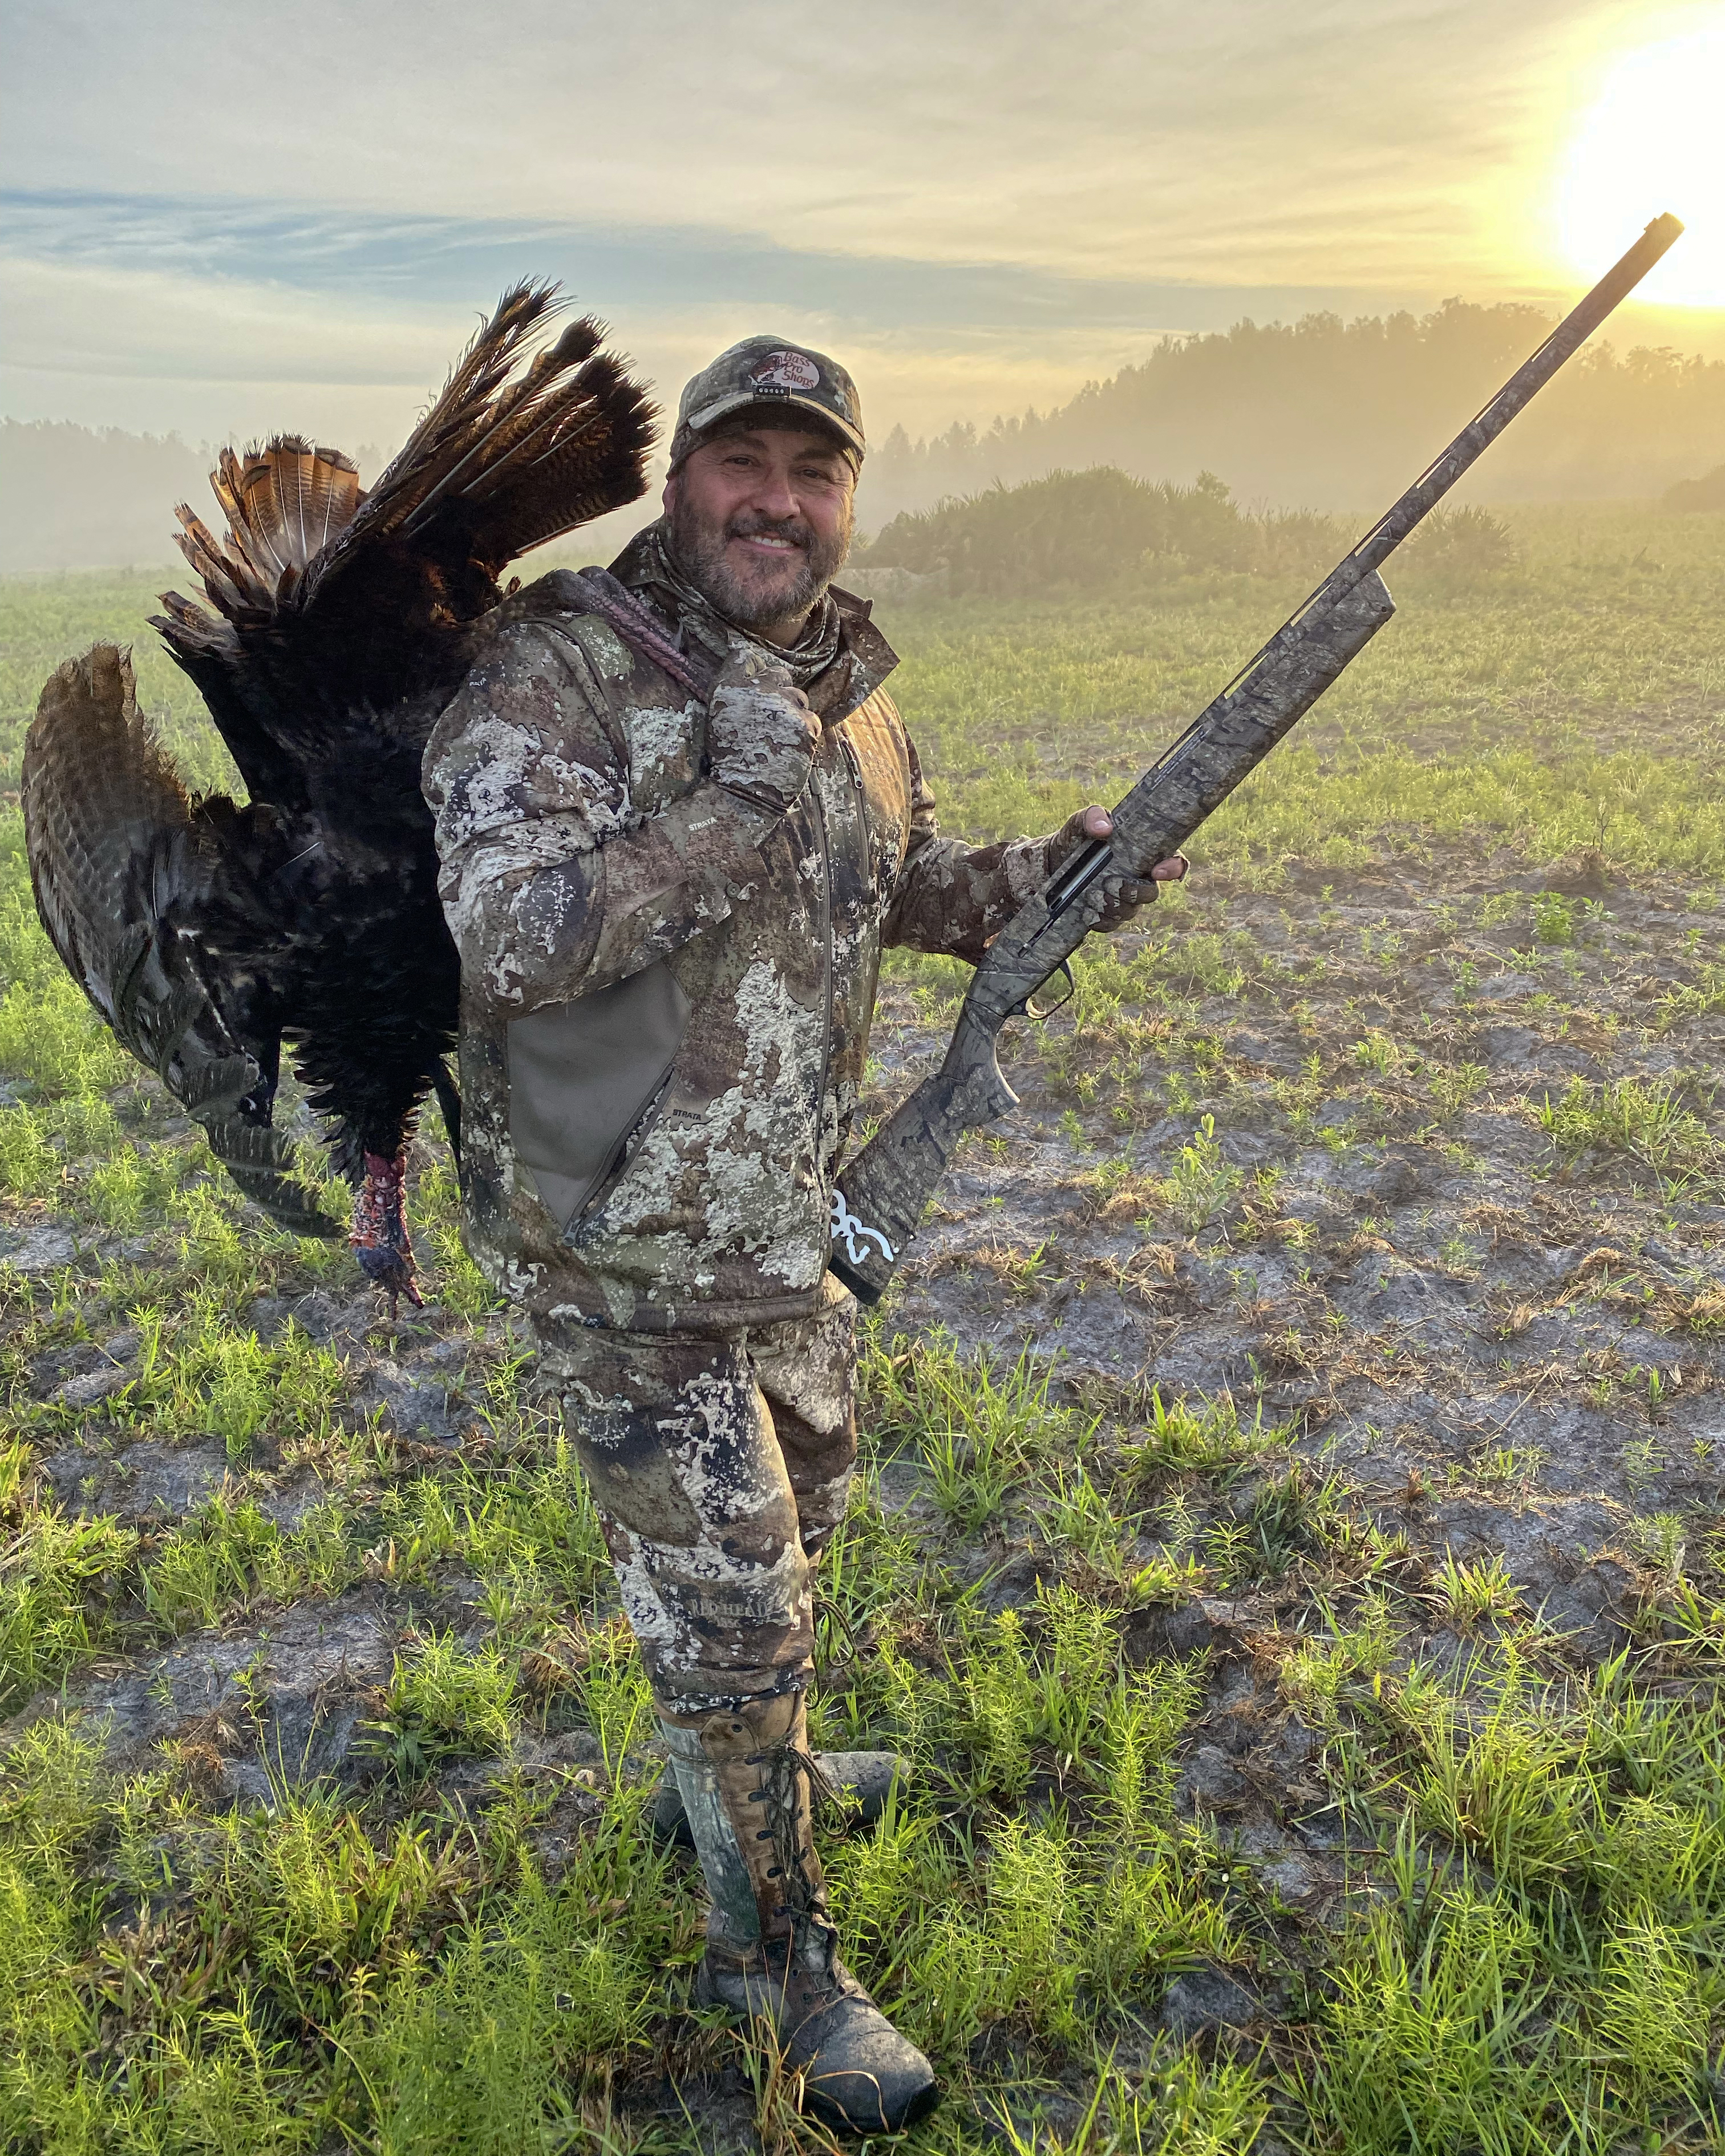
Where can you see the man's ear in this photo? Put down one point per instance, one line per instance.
(668, 500)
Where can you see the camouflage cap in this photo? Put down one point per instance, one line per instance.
(774, 375)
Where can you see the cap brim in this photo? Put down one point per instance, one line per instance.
(727, 408)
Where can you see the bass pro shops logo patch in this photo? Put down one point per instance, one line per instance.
(782, 372)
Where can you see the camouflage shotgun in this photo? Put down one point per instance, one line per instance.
(882, 1191)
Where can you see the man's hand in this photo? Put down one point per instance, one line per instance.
(760, 735)
(1112, 899)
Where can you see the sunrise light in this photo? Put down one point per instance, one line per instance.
(1652, 141)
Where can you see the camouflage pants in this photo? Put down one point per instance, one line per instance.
(720, 1465)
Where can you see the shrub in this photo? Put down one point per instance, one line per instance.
(1072, 527)
(1099, 527)
(1456, 550)
(1692, 495)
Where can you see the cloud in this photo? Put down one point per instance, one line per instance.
(1245, 141)
(379, 256)
(979, 204)
(244, 317)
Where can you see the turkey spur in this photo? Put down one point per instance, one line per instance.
(206, 933)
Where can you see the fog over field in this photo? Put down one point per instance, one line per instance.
(1321, 413)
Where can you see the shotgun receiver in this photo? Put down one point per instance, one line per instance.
(882, 1191)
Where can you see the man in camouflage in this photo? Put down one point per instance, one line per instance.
(678, 819)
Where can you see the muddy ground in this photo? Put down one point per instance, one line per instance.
(1507, 1341)
(1500, 1340)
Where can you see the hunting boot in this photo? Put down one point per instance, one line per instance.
(863, 1781)
(772, 1952)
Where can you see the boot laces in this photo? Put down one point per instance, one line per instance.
(805, 1899)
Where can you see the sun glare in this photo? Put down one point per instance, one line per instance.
(1654, 140)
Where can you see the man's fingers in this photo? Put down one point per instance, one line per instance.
(1096, 822)
(1113, 897)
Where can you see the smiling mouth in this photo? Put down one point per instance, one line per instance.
(767, 542)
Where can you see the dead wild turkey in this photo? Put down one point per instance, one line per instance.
(206, 933)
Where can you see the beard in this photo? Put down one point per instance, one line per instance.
(757, 598)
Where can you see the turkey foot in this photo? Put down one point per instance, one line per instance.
(379, 1234)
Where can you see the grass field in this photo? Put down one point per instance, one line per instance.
(1290, 1541)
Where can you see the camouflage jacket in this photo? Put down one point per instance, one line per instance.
(666, 992)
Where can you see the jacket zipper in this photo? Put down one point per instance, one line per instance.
(859, 807)
(826, 1000)
(623, 1154)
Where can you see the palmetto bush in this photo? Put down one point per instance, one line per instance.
(1083, 527)
(1101, 528)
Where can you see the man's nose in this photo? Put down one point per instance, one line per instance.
(773, 495)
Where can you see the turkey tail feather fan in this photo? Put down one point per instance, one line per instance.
(283, 504)
(207, 933)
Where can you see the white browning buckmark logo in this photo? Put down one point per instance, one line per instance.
(780, 372)
(846, 1223)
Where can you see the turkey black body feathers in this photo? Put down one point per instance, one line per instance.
(207, 932)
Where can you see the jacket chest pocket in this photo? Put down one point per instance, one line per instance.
(666, 752)
(584, 1079)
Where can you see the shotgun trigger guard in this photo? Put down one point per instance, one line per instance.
(1029, 1007)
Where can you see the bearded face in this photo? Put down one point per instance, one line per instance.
(760, 522)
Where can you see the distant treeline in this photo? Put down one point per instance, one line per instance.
(1095, 529)
(1322, 415)
(1329, 414)
(98, 498)
(73, 498)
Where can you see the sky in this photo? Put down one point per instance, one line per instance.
(228, 220)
